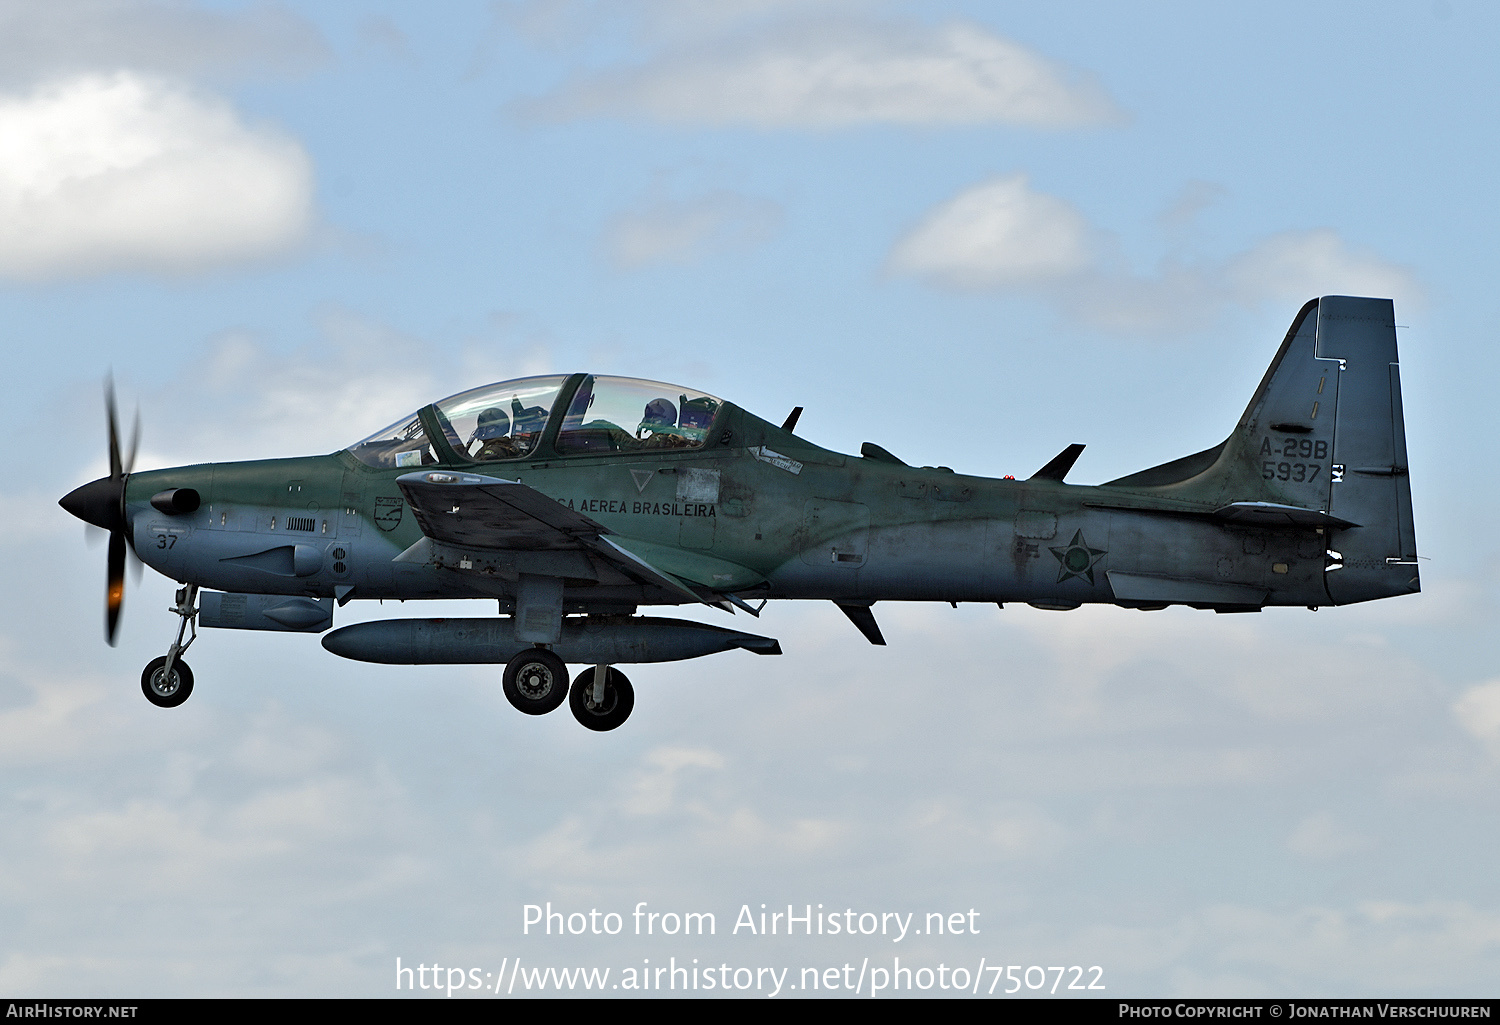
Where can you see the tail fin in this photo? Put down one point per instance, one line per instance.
(1323, 433)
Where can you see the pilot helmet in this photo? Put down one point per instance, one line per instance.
(493, 423)
(659, 413)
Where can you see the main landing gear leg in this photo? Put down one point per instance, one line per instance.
(167, 681)
(601, 674)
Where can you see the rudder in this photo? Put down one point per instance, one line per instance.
(1369, 479)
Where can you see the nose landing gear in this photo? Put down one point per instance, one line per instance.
(164, 688)
(167, 681)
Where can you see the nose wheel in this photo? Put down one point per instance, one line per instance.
(166, 688)
(603, 706)
(167, 681)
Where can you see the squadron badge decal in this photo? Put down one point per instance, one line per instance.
(1077, 559)
(388, 513)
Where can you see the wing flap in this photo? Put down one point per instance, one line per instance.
(690, 565)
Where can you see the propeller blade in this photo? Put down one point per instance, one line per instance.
(113, 424)
(114, 596)
(135, 440)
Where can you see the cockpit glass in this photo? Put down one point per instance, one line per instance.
(618, 414)
(403, 443)
(507, 420)
(499, 421)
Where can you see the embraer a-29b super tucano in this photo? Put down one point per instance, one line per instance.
(575, 500)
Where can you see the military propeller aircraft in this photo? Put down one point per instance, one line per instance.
(574, 500)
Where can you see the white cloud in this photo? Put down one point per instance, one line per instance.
(129, 172)
(1294, 265)
(257, 402)
(249, 400)
(1001, 235)
(61, 37)
(685, 231)
(68, 716)
(996, 234)
(1376, 947)
(693, 17)
(1478, 712)
(558, 22)
(837, 73)
(1322, 837)
(1012, 830)
(655, 789)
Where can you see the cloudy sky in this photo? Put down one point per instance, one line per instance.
(285, 226)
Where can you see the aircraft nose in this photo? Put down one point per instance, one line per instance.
(97, 502)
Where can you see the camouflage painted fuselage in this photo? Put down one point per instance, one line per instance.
(1306, 503)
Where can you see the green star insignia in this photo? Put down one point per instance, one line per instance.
(1077, 559)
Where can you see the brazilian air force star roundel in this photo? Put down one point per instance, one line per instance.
(1077, 559)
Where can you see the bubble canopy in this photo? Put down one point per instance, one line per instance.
(510, 420)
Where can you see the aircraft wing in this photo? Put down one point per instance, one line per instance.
(475, 513)
(470, 510)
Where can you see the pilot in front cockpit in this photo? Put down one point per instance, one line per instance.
(492, 437)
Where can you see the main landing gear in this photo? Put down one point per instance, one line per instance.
(536, 682)
(167, 681)
(601, 704)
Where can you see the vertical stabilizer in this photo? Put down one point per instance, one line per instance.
(1324, 433)
(1369, 482)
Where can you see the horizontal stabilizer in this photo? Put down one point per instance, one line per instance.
(1061, 463)
(1271, 514)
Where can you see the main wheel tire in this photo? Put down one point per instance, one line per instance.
(536, 681)
(619, 699)
(162, 691)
